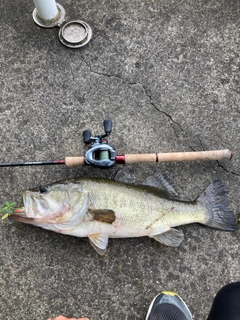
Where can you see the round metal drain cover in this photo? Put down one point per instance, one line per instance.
(75, 34)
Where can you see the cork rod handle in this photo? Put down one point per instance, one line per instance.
(74, 161)
(178, 156)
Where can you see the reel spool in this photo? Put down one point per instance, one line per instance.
(100, 153)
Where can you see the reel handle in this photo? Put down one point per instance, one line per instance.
(86, 136)
(107, 123)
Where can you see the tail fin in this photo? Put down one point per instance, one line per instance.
(219, 214)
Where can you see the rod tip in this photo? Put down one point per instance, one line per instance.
(231, 154)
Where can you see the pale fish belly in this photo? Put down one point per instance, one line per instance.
(138, 212)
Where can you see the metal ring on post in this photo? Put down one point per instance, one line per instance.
(55, 22)
(73, 34)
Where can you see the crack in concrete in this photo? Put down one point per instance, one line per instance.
(226, 170)
(218, 163)
(165, 113)
(161, 111)
(201, 145)
(101, 73)
(149, 96)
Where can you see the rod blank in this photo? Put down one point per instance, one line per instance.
(31, 163)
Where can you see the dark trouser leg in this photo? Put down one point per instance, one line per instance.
(226, 304)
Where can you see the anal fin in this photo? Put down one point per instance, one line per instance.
(172, 237)
(99, 242)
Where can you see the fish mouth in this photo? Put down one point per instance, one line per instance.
(20, 216)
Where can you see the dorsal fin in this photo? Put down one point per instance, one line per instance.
(163, 183)
(123, 176)
(160, 182)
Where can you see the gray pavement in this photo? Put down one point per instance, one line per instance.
(167, 74)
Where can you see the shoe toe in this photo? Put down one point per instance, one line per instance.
(168, 306)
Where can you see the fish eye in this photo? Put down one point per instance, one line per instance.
(43, 189)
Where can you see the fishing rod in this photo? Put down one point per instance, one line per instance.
(102, 155)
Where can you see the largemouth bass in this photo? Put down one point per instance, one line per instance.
(101, 209)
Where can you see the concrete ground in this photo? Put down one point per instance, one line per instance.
(167, 74)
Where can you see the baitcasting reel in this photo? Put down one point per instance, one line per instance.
(100, 153)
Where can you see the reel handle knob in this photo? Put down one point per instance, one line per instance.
(107, 123)
(86, 136)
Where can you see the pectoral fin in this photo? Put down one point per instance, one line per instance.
(102, 215)
(99, 242)
(172, 237)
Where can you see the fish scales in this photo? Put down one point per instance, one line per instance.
(101, 208)
(137, 209)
